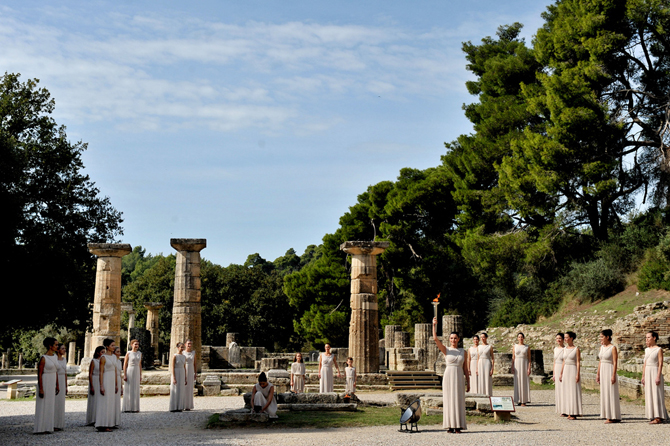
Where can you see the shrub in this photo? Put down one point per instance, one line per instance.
(595, 280)
(654, 273)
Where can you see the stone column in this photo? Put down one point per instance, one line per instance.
(186, 318)
(232, 337)
(389, 335)
(71, 353)
(425, 345)
(401, 339)
(107, 300)
(364, 327)
(450, 323)
(152, 324)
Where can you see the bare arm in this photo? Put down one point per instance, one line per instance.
(439, 344)
(172, 360)
(492, 362)
(466, 370)
(615, 363)
(660, 367)
(102, 372)
(513, 358)
(270, 396)
(644, 368)
(579, 364)
(40, 371)
(90, 377)
(319, 366)
(125, 367)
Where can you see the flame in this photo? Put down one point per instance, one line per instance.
(437, 299)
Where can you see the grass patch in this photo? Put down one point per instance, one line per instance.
(27, 398)
(633, 375)
(547, 386)
(367, 416)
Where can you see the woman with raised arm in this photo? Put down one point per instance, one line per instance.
(521, 371)
(189, 354)
(59, 409)
(105, 402)
(473, 353)
(454, 382)
(93, 385)
(485, 365)
(47, 388)
(326, 361)
(558, 368)
(608, 358)
(132, 376)
(571, 378)
(178, 376)
(652, 380)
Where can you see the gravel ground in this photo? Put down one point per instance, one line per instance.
(537, 424)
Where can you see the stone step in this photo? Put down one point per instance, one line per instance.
(334, 407)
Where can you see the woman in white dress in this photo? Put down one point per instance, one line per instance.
(59, 410)
(262, 397)
(473, 352)
(608, 358)
(105, 402)
(119, 380)
(178, 375)
(521, 371)
(93, 385)
(47, 388)
(454, 382)
(326, 361)
(189, 354)
(132, 376)
(298, 374)
(652, 380)
(350, 377)
(558, 367)
(571, 378)
(485, 365)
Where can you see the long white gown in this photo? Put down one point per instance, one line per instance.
(326, 382)
(44, 407)
(350, 373)
(131, 387)
(654, 400)
(610, 408)
(178, 390)
(521, 378)
(190, 382)
(484, 379)
(474, 356)
(105, 405)
(558, 385)
(298, 372)
(261, 398)
(119, 376)
(572, 390)
(453, 390)
(90, 406)
(59, 409)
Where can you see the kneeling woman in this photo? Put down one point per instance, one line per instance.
(262, 397)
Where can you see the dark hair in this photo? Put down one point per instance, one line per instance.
(572, 334)
(350, 358)
(456, 333)
(653, 334)
(107, 342)
(607, 333)
(295, 358)
(485, 335)
(475, 336)
(522, 335)
(561, 335)
(179, 344)
(134, 340)
(262, 378)
(48, 342)
(97, 352)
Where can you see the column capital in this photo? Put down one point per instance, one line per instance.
(153, 305)
(188, 244)
(109, 249)
(364, 247)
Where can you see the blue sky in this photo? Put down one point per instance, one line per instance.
(252, 124)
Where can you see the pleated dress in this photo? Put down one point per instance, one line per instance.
(105, 405)
(90, 406)
(350, 374)
(190, 381)
(131, 387)
(521, 378)
(654, 400)
(474, 356)
(326, 381)
(119, 377)
(59, 409)
(44, 407)
(178, 390)
(484, 366)
(453, 390)
(558, 385)
(610, 409)
(572, 390)
(261, 398)
(298, 372)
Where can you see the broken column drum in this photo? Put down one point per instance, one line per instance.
(152, 325)
(452, 323)
(364, 327)
(107, 300)
(186, 317)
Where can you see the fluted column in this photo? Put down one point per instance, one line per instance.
(152, 324)
(186, 317)
(364, 326)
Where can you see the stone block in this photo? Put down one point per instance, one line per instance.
(154, 390)
(211, 386)
(241, 417)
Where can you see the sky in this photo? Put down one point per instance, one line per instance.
(253, 124)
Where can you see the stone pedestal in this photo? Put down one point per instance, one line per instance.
(71, 351)
(268, 364)
(364, 327)
(451, 323)
(186, 317)
(401, 339)
(281, 379)
(389, 335)
(152, 325)
(107, 300)
(211, 386)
